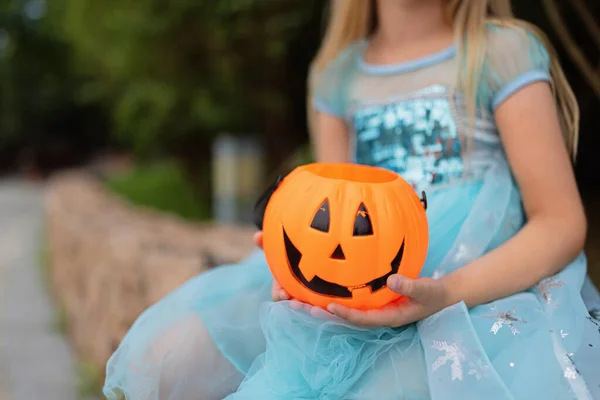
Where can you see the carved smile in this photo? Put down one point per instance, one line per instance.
(321, 286)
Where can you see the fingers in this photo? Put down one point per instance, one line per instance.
(370, 318)
(296, 305)
(278, 293)
(321, 313)
(420, 290)
(314, 311)
(398, 313)
(282, 295)
(258, 239)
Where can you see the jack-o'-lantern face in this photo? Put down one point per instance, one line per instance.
(362, 227)
(336, 232)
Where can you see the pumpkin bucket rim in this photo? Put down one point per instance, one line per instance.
(351, 172)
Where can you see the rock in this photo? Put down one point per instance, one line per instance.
(110, 261)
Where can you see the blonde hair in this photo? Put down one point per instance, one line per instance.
(353, 20)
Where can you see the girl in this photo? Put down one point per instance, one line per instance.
(464, 101)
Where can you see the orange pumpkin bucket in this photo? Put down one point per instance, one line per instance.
(335, 233)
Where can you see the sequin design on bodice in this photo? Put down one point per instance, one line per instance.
(415, 136)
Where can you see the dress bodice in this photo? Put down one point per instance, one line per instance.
(412, 119)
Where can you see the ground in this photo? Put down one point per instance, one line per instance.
(35, 360)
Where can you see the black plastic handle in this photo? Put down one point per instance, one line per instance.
(261, 204)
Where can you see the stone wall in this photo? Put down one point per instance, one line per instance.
(109, 260)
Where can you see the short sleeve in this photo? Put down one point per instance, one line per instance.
(330, 86)
(514, 60)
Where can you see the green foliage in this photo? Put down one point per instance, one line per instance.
(38, 109)
(176, 72)
(160, 186)
(90, 380)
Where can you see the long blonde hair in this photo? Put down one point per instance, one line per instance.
(353, 20)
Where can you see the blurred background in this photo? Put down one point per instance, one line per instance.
(134, 137)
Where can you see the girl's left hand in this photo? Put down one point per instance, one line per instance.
(422, 298)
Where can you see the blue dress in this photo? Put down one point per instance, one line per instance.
(220, 336)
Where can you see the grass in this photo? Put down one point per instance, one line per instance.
(161, 186)
(59, 322)
(44, 257)
(89, 381)
(89, 377)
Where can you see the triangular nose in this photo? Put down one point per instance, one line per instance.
(338, 253)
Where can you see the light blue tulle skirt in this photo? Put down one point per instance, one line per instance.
(220, 336)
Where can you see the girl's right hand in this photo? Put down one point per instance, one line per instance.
(277, 292)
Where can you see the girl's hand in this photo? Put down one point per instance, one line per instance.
(277, 292)
(258, 239)
(423, 297)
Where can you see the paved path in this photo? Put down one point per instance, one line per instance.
(35, 361)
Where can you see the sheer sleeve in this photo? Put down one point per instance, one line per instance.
(330, 86)
(515, 59)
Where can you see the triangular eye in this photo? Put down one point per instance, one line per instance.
(362, 223)
(321, 220)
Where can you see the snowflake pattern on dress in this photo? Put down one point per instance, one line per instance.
(438, 274)
(544, 288)
(454, 355)
(462, 253)
(503, 318)
(571, 371)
